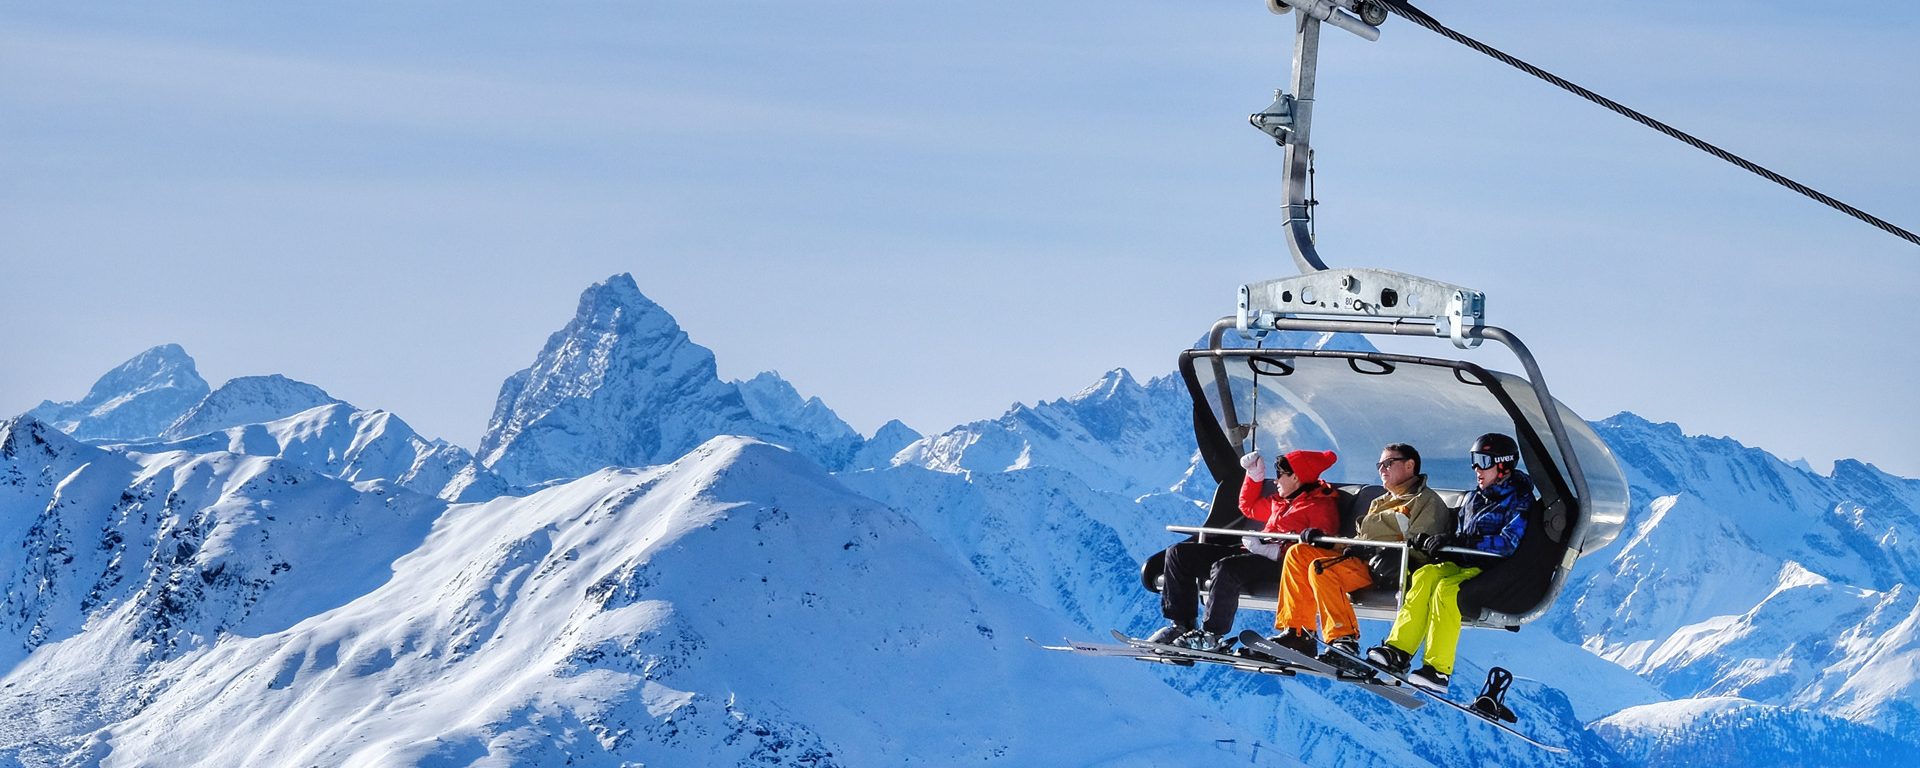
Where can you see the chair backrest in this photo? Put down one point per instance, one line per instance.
(1354, 500)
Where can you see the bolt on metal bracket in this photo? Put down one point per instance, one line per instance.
(1277, 120)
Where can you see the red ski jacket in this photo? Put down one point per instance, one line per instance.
(1315, 506)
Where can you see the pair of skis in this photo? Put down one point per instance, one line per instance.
(1288, 665)
(1275, 659)
(1493, 717)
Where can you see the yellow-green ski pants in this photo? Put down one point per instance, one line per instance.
(1432, 613)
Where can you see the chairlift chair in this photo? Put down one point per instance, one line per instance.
(1355, 402)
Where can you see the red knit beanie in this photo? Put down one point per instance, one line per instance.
(1307, 465)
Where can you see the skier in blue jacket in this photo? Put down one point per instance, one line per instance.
(1491, 521)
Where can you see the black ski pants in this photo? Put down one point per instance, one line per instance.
(1231, 568)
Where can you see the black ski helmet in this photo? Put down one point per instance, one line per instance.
(1499, 447)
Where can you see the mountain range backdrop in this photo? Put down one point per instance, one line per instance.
(644, 564)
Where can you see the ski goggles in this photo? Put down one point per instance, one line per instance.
(1487, 460)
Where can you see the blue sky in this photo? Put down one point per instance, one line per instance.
(929, 212)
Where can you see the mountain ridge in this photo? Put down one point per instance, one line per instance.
(601, 615)
(135, 400)
(587, 621)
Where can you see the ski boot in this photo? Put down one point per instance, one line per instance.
(1168, 634)
(1349, 664)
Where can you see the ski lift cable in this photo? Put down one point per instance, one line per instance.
(1417, 16)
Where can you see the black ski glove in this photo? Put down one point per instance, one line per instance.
(1431, 543)
(1311, 536)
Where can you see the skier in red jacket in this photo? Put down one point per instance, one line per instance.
(1303, 502)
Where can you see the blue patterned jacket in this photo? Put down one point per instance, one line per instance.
(1493, 519)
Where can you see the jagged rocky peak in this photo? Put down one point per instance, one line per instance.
(25, 439)
(248, 400)
(622, 385)
(1114, 383)
(772, 399)
(136, 400)
(893, 430)
(887, 441)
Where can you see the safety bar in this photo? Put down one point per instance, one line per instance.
(1316, 542)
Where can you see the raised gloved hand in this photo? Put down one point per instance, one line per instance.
(1311, 536)
(1267, 549)
(1255, 465)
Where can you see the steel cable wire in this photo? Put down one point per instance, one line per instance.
(1420, 17)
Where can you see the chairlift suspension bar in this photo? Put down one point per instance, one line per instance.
(1306, 51)
(1289, 120)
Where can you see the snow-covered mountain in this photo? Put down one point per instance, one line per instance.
(127, 563)
(274, 416)
(1041, 533)
(1742, 575)
(1728, 731)
(622, 385)
(887, 441)
(137, 400)
(340, 441)
(773, 401)
(737, 606)
(725, 600)
(248, 400)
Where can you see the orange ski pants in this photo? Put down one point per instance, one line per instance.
(1306, 590)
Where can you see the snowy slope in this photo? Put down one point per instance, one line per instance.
(136, 400)
(736, 606)
(248, 400)
(1741, 575)
(269, 589)
(622, 385)
(1044, 535)
(355, 445)
(127, 562)
(1039, 533)
(1729, 731)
